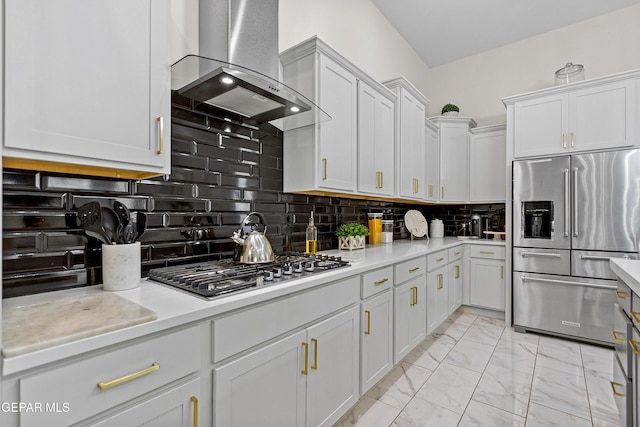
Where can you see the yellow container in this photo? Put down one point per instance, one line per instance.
(375, 228)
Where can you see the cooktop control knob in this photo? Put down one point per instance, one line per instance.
(297, 267)
(287, 270)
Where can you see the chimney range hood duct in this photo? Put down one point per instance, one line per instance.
(243, 34)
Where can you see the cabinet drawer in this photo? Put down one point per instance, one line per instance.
(621, 336)
(244, 329)
(437, 259)
(634, 310)
(480, 251)
(376, 281)
(176, 354)
(455, 253)
(549, 261)
(624, 298)
(408, 269)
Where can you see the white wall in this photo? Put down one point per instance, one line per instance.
(604, 45)
(358, 31)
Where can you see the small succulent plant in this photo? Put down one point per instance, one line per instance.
(449, 107)
(352, 229)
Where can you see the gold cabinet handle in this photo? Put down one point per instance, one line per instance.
(380, 282)
(442, 192)
(324, 168)
(487, 252)
(502, 271)
(413, 297)
(160, 121)
(368, 331)
(615, 336)
(636, 315)
(621, 294)
(416, 301)
(439, 281)
(195, 410)
(634, 346)
(380, 180)
(457, 253)
(103, 386)
(315, 354)
(439, 259)
(613, 387)
(305, 371)
(564, 140)
(572, 140)
(413, 270)
(457, 271)
(430, 190)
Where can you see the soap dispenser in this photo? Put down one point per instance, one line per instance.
(312, 237)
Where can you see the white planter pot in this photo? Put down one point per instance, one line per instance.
(351, 242)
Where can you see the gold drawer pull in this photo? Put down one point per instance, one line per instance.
(488, 252)
(456, 253)
(613, 387)
(457, 272)
(368, 331)
(413, 270)
(573, 140)
(380, 282)
(621, 294)
(324, 165)
(160, 121)
(502, 271)
(430, 190)
(305, 371)
(195, 410)
(126, 378)
(315, 354)
(636, 315)
(439, 259)
(442, 192)
(564, 140)
(615, 336)
(439, 281)
(416, 294)
(634, 346)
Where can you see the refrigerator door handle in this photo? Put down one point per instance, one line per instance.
(542, 254)
(567, 282)
(566, 202)
(575, 202)
(602, 258)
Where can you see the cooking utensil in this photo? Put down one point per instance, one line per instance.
(123, 213)
(256, 248)
(415, 223)
(138, 224)
(90, 216)
(111, 224)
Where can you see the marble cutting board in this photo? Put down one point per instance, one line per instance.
(38, 326)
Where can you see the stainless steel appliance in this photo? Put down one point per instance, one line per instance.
(217, 278)
(571, 214)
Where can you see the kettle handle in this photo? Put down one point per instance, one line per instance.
(259, 215)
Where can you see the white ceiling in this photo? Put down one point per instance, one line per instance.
(442, 31)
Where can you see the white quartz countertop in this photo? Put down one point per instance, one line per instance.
(629, 271)
(173, 308)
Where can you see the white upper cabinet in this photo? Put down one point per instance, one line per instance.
(376, 140)
(454, 157)
(597, 114)
(487, 164)
(87, 87)
(410, 117)
(322, 157)
(431, 163)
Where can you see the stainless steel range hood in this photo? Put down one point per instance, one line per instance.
(243, 35)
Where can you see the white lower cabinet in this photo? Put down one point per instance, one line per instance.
(376, 350)
(177, 407)
(409, 301)
(437, 297)
(307, 378)
(487, 273)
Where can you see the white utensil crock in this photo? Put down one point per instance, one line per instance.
(121, 268)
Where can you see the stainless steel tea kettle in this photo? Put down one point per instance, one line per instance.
(255, 245)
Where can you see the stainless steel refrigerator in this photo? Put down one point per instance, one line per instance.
(571, 214)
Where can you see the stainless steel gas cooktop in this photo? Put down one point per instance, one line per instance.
(216, 278)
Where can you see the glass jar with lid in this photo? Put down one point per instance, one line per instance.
(569, 73)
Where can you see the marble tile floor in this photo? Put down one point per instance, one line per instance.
(474, 371)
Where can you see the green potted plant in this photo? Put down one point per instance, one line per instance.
(352, 235)
(450, 110)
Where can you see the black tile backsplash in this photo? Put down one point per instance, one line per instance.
(217, 177)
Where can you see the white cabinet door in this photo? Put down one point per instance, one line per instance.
(454, 162)
(263, 388)
(409, 316)
(332, 382)
(603, 117)
(376, 350)
(487, 287)
(411, 146)
(87, 84)
(431, 164)
(541, 126)
(376, 142)
(437, 298)
(337, 147)
(174, 408)
(487, 164)
(455, 285)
